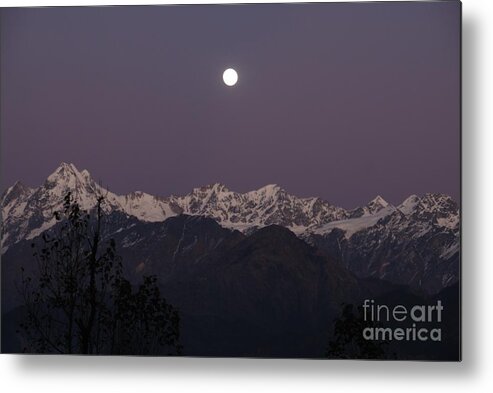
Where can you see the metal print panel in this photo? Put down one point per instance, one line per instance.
(278, 180)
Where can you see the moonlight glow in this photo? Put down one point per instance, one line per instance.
(230, 77)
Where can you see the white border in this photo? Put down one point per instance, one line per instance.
(83, 374)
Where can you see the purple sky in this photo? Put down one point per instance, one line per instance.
(341, 101)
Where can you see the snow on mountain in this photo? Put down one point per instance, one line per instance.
(439, 208)
(146, 207)
(409, 204)
(419, 213)
(27, 212)
(14, 199)
(416, 243)
(354, 225)
(265, 206)
(377, 204)
(372, 208)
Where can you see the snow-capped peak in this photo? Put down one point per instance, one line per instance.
(439, 204)
(372, 207)
(86, 175)
(378, 201)
(436, 202)
(14, 200)
(409, 205)
(268, 191)
(27, 212)
(210, 188)
(68, 178)
(68, 175)
(16, 191)
(64, 168)
(218, 187)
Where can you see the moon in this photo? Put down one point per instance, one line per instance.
(230, 77)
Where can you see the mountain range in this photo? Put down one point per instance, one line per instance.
(414, 243)
(262, 273)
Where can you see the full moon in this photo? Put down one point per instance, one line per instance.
(230, 77)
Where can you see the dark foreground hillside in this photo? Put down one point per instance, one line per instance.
(269, 294)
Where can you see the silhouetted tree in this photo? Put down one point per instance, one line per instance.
(348, 341)
(80, 301)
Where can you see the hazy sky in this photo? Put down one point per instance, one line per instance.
(341, 101)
